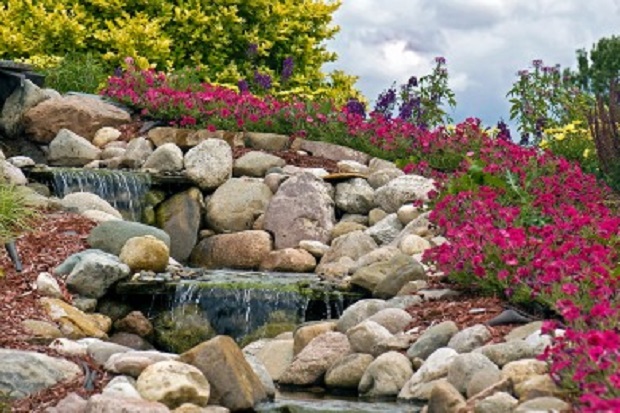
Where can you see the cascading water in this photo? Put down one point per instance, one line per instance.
(122, 189)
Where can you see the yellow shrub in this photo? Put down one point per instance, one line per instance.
(572, 141)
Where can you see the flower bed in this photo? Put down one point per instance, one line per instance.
(521, 222)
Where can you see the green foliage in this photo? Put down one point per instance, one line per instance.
(16, 215)
(77, 72)
(212, 34)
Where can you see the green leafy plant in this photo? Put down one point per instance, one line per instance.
(78, 73)
(16, 215)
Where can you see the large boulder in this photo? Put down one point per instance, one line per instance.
(179, 216)
(145, 253)
(352, 245)
(397, 192)
(289, 260)
(266, 141)
(83, 115)
(110, 236)
(73, 323)
(368, 277)
(209, 164)
(302, 209)
(233, 382)
(167, 158)
(23, 98)
(310, 365)
(355, 196)
(92, 272)
(137, 152)
(347, 372)
(26, 372)
(236, 204)
(386, 375)
(330, 151)
(173, 383)
(241, 250)
(71, 149)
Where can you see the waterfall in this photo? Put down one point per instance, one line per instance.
(122, 189)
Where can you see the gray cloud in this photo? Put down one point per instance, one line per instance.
(485, 42)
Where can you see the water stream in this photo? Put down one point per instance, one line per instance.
(124, 190)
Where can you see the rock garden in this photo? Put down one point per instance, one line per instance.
(438, 254)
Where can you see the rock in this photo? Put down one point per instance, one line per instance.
(242, 250)
(233, 382)
(136, 323)
(101, 351)
(522, 332)
(412, 287)
(263, 375)
(366, 336)
(543, 404)
(191, 408)
(112, 235)
(346, 227)
(435, 367)
(132, 363)
(498, 402)
(73, 403)
(470, 338)
(266, 141)
(385, 376)
(389, 286)
(41, 332)
(404, 302)
(48, 286)
(70, 149)
(302, 209)
(133, 341)
(138, 151)
(167, 158)
(256, 164)
(173, 383)
(438, 294)
(273, 180)
(69, 347)
(386, 230)
(289, 260)
(381, 178)
(92, 272)
(445, 399)
(370, 276)
(421, 392)
(112, 308)
(145, 253)
(209, 164)
(24, 97)
(541, 385)
(180, 217)
(73, 323)
(401, 190)
(123, 387)
(355, 196)
(380, 254)
(488, 378)
(359, 218)
(316, 248)
(182, 328)
(84, 201)
(393, 319)
(503, 353)
(465, 366)
(21, 161)
(100, 216)
(12, 174)
(407, 213)
(347, 372)
(81, 114)
(330, 151)
(359, 312)
(236, 204)
(106, 135)
(291, 170)
(276, 355)
(354, 167)
(188, 138)
(353, 245)
(25, 372)
(305, 333)
(521, 370)
(100, 403)
(420, 226)
(432, 339)
(310, 365)
(413, 244)
(112, 153)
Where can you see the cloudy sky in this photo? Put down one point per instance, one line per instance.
(485, 42)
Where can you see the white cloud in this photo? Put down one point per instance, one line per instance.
(485, 42)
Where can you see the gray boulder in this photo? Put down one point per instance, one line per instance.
(385, 376)
(92, 272)
(432, 339)
(347, 372)
(24, 97)
(355, 196)
(209, 164)
(359, 312)
(138, 151)
(168, 158)
(386, 230)
(256, 164)
(70, 149)
(401, 190)
(110, 236)
(302, 209)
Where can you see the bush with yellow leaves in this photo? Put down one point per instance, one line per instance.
(574, 142)
(215, 35)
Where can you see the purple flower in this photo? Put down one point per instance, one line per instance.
(355, 106)
(252, 51)
(412, 82)
(523, 73)
(385, 102)
(504, 131)
(287, 69)
(243, 86)
(440, 60)
(262, 80)
(118, 72)
(406, 108)
(537, 63)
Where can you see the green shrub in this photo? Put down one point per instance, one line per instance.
(16, 215)
(77, 72)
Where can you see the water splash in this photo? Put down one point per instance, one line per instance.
(124, 190)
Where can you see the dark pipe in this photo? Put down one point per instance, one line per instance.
(11, 248)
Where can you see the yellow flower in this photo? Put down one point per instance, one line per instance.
(586, 153)
(559, 137)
